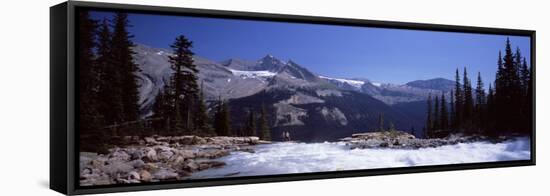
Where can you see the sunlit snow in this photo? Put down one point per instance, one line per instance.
(252, 74)
(354, 83)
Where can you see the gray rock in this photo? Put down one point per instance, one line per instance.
(165, 174)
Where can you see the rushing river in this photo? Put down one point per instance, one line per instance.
(283, 158)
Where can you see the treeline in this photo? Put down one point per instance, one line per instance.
(506, 108)
(107, 83)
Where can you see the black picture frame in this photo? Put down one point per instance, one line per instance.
(63, 116)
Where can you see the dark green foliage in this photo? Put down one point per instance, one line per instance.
(503, 110)
(525, 76)
(121, 53)
(381, 122)
(265, 133)
(436, 116)
(459, 102)
(251, 124)
(444, 114)
(90, 118)
(222, 120)
(392, 127)
(489, 123)
(201, 118)
(508, 93)
(468, 107)
(452, 114)
(109, 89)
(429, 118)
(480, 110)
(181, 106)
(183, 83)
(480, 91)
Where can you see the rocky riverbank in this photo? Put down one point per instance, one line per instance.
(154, 159)
(403, 140)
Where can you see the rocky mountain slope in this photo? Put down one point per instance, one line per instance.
(312, 107)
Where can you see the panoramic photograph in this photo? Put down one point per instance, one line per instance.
(166, 98)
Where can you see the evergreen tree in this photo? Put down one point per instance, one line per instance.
(491, 113)
(525, 75)
(436, 116)
(459, 102)
(183, 87)
(429, 121)
(222, 121)
(526, 107)
(500, 72)
(201, 119)
(109, 87)
(452, 112)
(480, 91)
(444, 114)
(226, 119)
(468, 103)
(90, 118)
(392, 127)
(529, 100)
(251, 124)
(161, 111)
(509, 93)
(381, 122)
(264, 128)
(122, 52)
(218, 127)
(480, 105)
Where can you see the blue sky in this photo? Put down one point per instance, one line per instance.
(378, 54)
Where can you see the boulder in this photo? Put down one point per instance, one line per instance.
(187, 154)
(151, 155)
(165, 174)
(145, 176)
(117, 167)
(191, 166)
(138, 164)
(119, 154)
(165, 155)
(210, 164)
(134, 176)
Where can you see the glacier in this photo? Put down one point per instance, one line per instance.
(285, 158)
(355, 83)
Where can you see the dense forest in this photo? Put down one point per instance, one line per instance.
(505, 109)
(108, 90)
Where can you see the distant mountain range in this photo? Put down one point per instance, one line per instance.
(312, 107)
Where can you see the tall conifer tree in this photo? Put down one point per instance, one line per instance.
(436, 116)
(459, 102)
(468, 107)
(444, 114)
(429, 118)
(381, 122)
(90, 118)
(122, 52)
(251, 124)
(265, 133)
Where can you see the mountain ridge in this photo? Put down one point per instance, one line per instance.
(298, 99)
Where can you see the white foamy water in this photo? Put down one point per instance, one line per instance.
(284, 158)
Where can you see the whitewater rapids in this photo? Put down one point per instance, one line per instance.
(284, 158)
